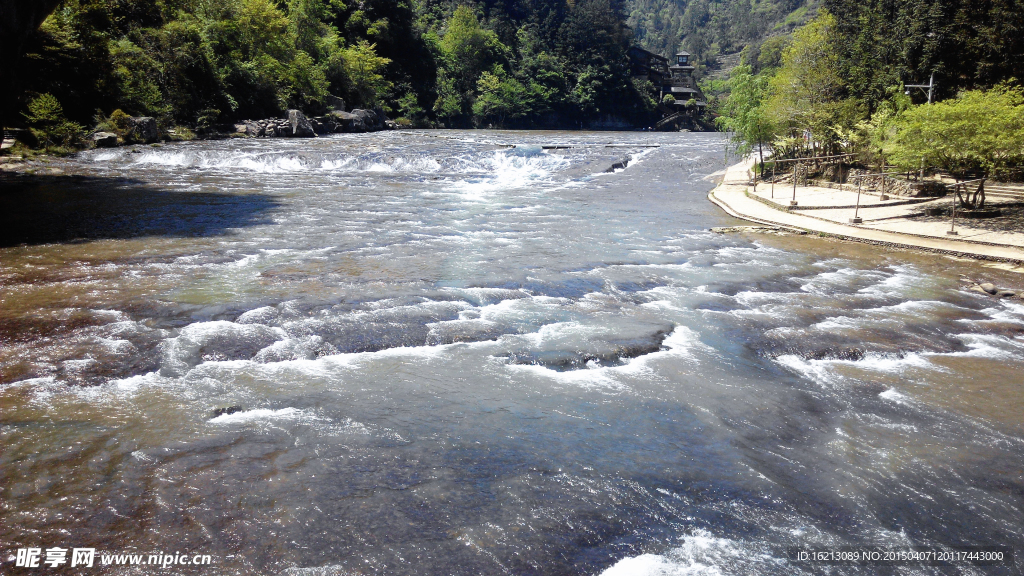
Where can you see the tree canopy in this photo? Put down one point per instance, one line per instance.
(978, 131)
(200, 62)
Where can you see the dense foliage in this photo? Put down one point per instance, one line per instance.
(200, 63)
(976, 132)
(837, 85)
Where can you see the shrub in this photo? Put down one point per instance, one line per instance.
(46, 120)
(117, 122)
(181, 134)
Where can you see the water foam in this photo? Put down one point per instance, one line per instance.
(701, 554)
(504, 170)
(215, 340)
(823, 371)
(263, 414)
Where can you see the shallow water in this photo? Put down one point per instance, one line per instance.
(454, 357)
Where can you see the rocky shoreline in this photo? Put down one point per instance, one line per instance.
(295, 124)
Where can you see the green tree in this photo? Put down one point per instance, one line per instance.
(979, 130)
(808, 92)
(364, 72)
(465, 51)
(308, 83)
(744, 113)
(501, 98)
(262, 29)
(46, 118)
(309, 22)
(136, 73)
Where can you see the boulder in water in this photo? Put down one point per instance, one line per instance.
(620, 165)
(527, 151)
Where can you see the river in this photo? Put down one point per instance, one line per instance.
(442, 355)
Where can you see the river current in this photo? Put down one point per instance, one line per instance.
(432, 353)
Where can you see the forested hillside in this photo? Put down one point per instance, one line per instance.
(966, 43)
(710, 28)
(197, 63)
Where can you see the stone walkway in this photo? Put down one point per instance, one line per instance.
(899, 221)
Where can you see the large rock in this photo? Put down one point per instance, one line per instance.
(335, 104)
(104, 139)
(142, 129)
(300, 126)
(349, 122)
(370, 118)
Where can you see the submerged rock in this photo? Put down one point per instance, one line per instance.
(225, 410)
(990, 289)
(620, 165)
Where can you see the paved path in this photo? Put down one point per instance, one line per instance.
(894, 223)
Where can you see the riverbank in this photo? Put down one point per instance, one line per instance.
(897, 222)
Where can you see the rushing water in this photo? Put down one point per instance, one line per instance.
(454, 357)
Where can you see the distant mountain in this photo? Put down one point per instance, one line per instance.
(714, 31)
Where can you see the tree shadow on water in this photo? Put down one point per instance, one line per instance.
(37, 209)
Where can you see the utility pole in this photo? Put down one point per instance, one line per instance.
(930, 86)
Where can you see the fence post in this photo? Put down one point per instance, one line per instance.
(857, 219)
(796, 166)
(883, 197)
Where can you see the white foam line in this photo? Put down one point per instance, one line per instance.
(263, 414)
